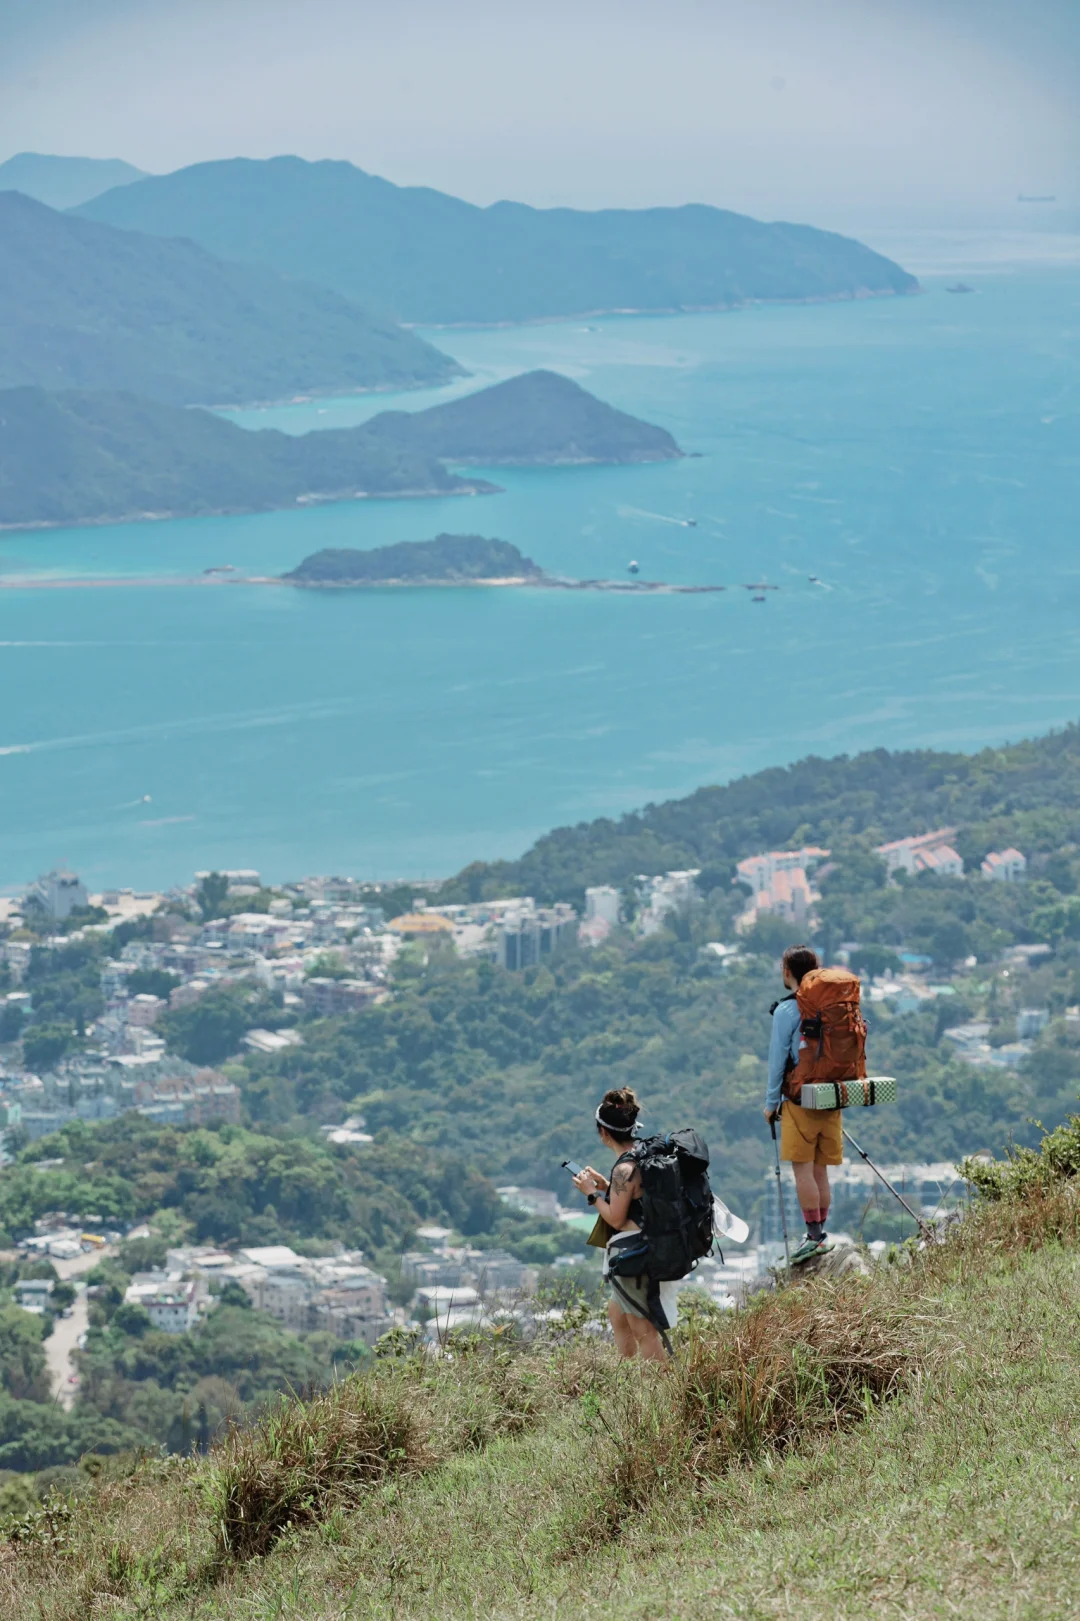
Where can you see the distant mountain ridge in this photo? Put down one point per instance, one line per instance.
(65, 182)
(95, 456)
(423, 257)
(84, 305)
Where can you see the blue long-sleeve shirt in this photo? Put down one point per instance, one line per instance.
(783, 1044)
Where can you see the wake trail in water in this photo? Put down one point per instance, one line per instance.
(657, 517)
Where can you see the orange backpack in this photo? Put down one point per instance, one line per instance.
(833, 1046)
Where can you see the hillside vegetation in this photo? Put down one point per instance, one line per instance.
(95, 457)
(1024, 793)
(537, 419)
(928, 1408)
(79, 457)
(83, 305)
(422, 256)
(446, 559)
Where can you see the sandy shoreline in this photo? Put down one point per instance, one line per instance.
(516, 583)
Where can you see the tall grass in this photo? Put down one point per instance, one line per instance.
(770, 1378)
(304, 1459)
(591, 1448)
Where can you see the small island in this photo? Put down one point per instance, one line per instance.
(470, 560)
(446, 560)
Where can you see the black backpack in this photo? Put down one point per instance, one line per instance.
(677, 1210)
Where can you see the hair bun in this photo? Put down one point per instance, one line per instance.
(621, 1105)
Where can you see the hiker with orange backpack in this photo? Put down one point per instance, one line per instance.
(818, 1034)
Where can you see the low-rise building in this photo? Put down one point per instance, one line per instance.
(421, 926)
(329, 998)
(144, 1010)
(759, 872)
(170, 1300)
(528, 935)
(534, 1201)
(913, 854)
(336, 1293)
(1005, 866)
(665, 894)
(32, 1294)
(942, 861)
(272, 1041)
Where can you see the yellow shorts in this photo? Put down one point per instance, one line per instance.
(810, 1136)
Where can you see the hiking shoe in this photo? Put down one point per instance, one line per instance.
(811, 1247)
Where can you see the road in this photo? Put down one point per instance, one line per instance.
(61, 1343)
(66, 1330)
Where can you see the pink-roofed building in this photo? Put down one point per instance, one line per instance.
(903, 855)
(943, 860)
(1005, 866)
(789, 896)
(760, 871)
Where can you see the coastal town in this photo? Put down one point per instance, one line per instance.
(324, 947)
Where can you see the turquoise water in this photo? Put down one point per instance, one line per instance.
(919, 457)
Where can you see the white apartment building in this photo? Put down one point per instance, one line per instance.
(924, 852)
(170, 1301)
(779, 884)
(60, 893)
(761, 871)
(602, 904)
(532, 933)
(669, 892)
(1005, 866)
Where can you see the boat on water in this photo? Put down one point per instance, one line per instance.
(633, 567)
(221, 568)
(960, 287)
(757, 599)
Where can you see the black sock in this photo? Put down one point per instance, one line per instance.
(815, 1230)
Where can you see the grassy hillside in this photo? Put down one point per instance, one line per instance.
(64, 182)
(83, 305)
(422, 256)
(901, 1443)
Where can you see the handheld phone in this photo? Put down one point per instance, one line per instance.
(573, 1167)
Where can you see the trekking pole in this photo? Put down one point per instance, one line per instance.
(780, 1196)
(922, 1225)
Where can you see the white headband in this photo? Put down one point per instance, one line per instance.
(608, 1125)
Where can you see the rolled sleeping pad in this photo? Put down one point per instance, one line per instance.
(848, 1094)
(727, 1224)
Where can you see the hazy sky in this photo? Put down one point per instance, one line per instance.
(819, 109)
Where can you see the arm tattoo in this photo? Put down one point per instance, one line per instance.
(622, 1178)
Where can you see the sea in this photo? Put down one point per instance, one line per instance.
(901, 474)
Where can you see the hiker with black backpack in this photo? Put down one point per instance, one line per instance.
(818, 1034)
(655, 1222)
